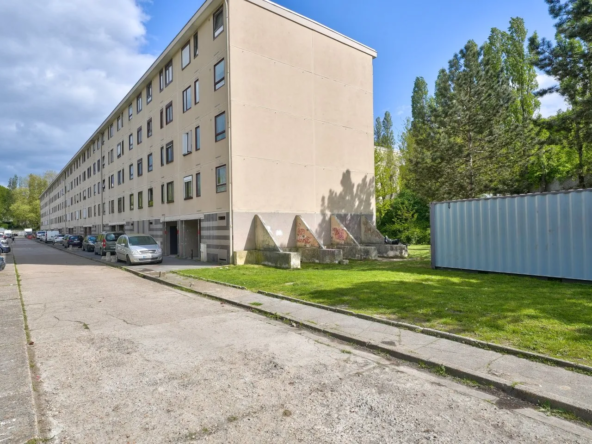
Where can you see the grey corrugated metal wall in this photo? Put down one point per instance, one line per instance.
(548, 234)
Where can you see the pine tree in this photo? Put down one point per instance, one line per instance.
(570, 62)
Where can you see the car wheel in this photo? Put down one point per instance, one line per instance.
(127, 260)
(158, 262)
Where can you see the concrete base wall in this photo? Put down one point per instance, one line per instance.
(319, 255)
(392, 251)
(286, 260)
(284, 227)
(358, 252)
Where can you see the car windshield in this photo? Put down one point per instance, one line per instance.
(112, 236)
(91, 238)
(142, 240)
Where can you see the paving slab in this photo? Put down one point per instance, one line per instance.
(18, 420)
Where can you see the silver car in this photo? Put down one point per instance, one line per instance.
(138, 249)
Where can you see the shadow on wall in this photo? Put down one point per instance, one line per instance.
(348, 205)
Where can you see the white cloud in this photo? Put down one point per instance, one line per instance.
(551, 103)
(64, 65)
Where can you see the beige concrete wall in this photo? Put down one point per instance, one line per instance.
(204, 161)
(302, 130)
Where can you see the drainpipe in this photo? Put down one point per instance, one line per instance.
(229, 180)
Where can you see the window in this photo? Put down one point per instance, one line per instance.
(140, 168)
(150, 197)
(162, 156)
(131, 171)
(195, 45)
(140, 200)
(130, 142)
(119, 150)
(162, 193)
(218, 22)
(196, 91)
(161, 118)
(110, 134)
(119, 177)
(187, 99)
(119, 124)
(120, 205)
(139, 136)
(197, 138)
(131, 202)
(169, 152)
(221, 179)
(219, 75)
(139, 103)
(185, 55)
(169, 113)
(188, 187)
(168, 73)
(161, 79)
(198, 185)
(150, 164)
(220, 127)
(149, 92)
(130, 112)
(170, 192)
(186, 143)
(149, 128)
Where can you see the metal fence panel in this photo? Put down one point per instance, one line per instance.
(547, 234)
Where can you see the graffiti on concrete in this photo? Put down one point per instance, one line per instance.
(304, 237)
(339, 235)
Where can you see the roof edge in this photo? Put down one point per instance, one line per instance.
(315, 26)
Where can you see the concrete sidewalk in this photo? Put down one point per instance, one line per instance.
(528, 380)
(18, 420)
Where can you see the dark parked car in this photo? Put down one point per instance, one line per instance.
(105, 242)
(4, 247)
(73, 240)
(88, 244)
(2, 263)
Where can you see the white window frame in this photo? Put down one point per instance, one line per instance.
(187, 179)
(187, 142)
(186, 55)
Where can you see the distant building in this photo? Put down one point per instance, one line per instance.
(251, 109)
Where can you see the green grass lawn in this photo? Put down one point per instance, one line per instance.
(530, 314)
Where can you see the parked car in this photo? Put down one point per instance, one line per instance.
(138, 248)
(50, 235)
(88, 244)
(106, 241)
(58, 239)
(65, 239)
(40, 235)
(2, 263)
(73, 240)
(4, 247)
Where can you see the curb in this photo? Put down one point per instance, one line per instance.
(568, 365)
(556, 402)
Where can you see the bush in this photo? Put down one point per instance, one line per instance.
(407, 219)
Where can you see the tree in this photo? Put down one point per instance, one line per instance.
(388, 135)
(25, 209)
(570, 62)
(378, 134)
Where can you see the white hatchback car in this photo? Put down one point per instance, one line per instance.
(138, 249)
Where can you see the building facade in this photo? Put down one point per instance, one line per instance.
(251, 110)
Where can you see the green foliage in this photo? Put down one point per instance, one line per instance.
(386, 164)
(20, 203)
(407, 219)
(569, 61)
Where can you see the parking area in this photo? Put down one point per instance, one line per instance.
(169, 263)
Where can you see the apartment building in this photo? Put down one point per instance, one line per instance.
(251, 110)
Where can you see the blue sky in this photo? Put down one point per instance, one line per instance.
(412, 38)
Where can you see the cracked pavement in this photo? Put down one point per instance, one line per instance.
(159, 365)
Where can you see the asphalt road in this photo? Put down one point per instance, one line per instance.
(122, 359)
